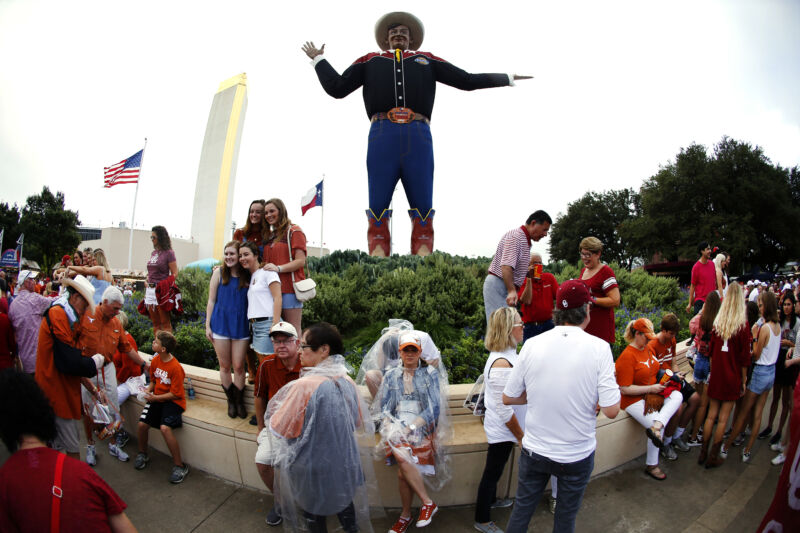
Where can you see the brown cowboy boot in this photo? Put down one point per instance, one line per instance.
(701, 459)
(379, 241)
(229, 394)
(714, 459)
(421, 233)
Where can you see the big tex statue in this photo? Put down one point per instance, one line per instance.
(399, 86)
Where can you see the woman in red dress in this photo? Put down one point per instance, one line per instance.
(604, 289)
(729, 354)
(254, 229)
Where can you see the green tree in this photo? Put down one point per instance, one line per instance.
(50, 230)
(601, 215)
(9, 222)
(735, 199)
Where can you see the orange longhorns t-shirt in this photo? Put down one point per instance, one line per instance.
(168, 377)
(665, 353)
(635, 367)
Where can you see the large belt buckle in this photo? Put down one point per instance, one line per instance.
(400, 115)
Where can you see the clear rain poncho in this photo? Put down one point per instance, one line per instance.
(414, 421)
(384, 354)
(323, 443)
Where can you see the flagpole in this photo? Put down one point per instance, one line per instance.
(133, 214)
(322, 217)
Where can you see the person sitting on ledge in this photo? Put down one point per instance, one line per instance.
(647, 401)
(412, 406)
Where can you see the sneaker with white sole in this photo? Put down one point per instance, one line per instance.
(115, 451)
(91, 455)
(692, 443)
(274, 517)
(491, 527)
(122, 438)
(778, 459)
(738, 441)
(426, 513)
(777, 447)
(680, 445)
(502, 503)
(178, 473)
(745, 456)
(141, 461)
(668, 453)
(723, 453)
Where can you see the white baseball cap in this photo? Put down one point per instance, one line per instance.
(25, 275)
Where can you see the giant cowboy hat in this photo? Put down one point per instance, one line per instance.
(413, 24)
(83, 287)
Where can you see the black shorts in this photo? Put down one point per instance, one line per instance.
(159, 414)
(687, 390)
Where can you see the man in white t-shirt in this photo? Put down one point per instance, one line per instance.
(565, 363)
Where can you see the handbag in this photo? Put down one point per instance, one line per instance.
(304, 289)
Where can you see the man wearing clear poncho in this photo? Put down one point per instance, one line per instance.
(324, 438)
(411, 405)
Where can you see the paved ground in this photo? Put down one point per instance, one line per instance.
(731, 499)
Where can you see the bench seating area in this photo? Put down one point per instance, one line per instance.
(225, 447)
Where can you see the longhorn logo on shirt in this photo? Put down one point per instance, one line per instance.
(161, 374)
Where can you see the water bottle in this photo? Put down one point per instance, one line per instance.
(190, 389)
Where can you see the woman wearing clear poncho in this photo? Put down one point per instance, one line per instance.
(412, 406)
(385, 354)
(324, 439)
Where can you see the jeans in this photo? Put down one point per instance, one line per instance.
(532, 329)
(496, 459)
(262, 342)
(318, 523)
(534, 472)
(400, 152)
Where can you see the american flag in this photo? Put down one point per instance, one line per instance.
(126, 171)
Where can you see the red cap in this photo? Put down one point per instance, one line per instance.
(572, 294)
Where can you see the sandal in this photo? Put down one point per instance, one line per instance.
(654, 434)
(655, 472)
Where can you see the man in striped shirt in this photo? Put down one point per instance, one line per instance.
(510, 263)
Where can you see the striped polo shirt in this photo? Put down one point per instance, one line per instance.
(513, 250)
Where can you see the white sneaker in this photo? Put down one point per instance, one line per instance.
(778, 459)
(723, 452)
(91, 455)
(777, 447)
(115, 451)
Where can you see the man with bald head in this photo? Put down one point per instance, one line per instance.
(537, 295)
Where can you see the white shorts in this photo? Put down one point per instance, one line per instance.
(265, 455)
(150, 296)
(224, 338)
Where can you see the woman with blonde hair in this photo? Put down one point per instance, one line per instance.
(729, 353)
(285, 253)
(722, 277)
(99, 275)
(502, 423)
(602, 284)
(765, 353)
(646, 400)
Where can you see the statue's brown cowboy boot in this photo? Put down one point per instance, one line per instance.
(378, 239)
(421, 232)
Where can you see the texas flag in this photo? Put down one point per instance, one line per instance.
(312, 198)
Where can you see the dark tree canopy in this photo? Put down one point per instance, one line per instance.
(734, 198)
(9, 222)
(600, 215)
(50, 230)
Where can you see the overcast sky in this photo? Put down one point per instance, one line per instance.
(619, 88)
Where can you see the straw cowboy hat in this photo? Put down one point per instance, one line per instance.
(413, 24)
(84, 288)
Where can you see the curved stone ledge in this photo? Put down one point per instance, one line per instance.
(225, 447)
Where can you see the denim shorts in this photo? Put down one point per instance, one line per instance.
(290, 301)
(762, 379)
(262, 342)
(701, 368)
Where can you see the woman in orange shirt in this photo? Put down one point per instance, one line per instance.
(642, 395)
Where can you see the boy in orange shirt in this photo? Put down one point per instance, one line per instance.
(166, 400)
(664, 348)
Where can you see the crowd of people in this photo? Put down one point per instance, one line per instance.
(317, 426)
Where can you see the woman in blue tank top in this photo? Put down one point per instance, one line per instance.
(226, 325)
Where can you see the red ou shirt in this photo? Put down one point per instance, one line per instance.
(602, 318)
(543, 297)
(26, 480)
